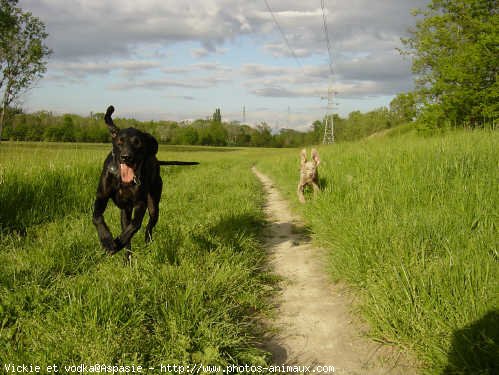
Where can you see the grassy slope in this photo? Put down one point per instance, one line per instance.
(412, 223)
(189, 297)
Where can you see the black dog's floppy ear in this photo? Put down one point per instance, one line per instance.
(113, 129)
(151, 144)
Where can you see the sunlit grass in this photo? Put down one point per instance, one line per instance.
(412, 223)
(191, 296)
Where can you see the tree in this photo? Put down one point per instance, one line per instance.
(403, 108)
(68, 129)
(218, 134)
(454, 50)
(217, 116)
(22, 52)
(263, 136)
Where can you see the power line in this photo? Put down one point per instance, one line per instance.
(283, 35)
(328, 43)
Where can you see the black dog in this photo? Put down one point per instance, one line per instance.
(131, 178)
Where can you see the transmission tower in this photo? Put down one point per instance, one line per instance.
(244, 114)
(329, 122)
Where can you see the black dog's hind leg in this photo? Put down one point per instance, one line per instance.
(153, 207)
(126, 218)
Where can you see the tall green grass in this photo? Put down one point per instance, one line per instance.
(191, 296)
(412, 223)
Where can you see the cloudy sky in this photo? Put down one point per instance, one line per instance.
(165, 59)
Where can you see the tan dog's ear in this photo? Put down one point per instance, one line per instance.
(303, 156)
(315, 156)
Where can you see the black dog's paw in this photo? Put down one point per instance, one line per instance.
(109, 244)
(119, 245)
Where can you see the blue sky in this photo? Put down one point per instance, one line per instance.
(171, 60)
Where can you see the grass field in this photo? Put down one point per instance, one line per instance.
(191, 296)
(412, 224)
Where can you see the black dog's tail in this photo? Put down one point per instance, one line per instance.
(174, 162)
(109, 121)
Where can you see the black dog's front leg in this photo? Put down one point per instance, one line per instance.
(128, 232)
(126, 218)
(105, 236)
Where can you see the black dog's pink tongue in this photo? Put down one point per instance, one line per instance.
(127, 174)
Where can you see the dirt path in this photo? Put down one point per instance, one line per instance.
(313, 322)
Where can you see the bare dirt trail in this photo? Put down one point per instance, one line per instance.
(313, 322)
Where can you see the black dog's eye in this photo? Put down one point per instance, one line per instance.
(136, 142)
(120, 141)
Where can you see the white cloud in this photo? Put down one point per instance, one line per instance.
(136, 42)
(82, 69)
(197, 67)
(207, 51)
(161, 84)
(116, 27)
(111, 27)
(358, 88)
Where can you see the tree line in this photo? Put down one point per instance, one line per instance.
(45, 126)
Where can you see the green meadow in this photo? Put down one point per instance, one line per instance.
(191, 296)
(410, 223)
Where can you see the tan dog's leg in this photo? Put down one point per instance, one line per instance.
(301, 197)
(301, 184)
(316, 188)
(315, 182)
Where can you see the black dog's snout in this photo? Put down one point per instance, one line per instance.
(125, 158)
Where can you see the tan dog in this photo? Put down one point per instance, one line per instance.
(308, 173)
